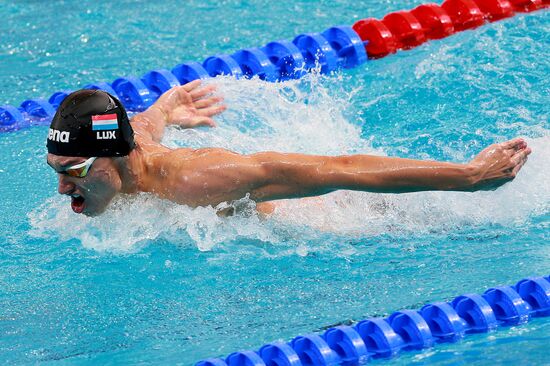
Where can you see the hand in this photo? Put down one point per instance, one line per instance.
(499, 163)
(190, 105)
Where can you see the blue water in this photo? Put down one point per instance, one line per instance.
(151, 282)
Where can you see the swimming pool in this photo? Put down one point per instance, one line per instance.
(156, 283)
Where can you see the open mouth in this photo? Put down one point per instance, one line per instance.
(77, 203)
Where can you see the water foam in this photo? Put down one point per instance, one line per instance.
(131, 222)
(308, 115)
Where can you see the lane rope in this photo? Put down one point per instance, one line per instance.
(336, 47)
(405, 330)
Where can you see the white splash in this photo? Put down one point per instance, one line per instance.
(304, 115)
(132, 221)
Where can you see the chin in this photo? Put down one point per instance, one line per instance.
(93, 211)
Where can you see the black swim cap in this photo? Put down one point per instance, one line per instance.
(90, 123)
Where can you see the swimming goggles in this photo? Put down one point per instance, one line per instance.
(79, 170)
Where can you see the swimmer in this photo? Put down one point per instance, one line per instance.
(98, 153)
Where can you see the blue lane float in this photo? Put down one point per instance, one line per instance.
(536, 292)
(279, 354)
(38, 109)
(276, 61)
(348, 345)
(253, 62)
(349, 48)
(444, 322)
(189, 71)
(404, 330)
(317, 52)
(222, 65)
(11, 118)
(476, 313)
(58, 97)
(379, 337)
(287, 58)
(133, 93)
(159, 81)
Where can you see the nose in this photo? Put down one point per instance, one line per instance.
(65, 185)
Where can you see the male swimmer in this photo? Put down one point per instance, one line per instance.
(97, 153)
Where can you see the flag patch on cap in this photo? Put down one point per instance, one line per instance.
(104, 122)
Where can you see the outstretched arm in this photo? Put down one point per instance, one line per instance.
(188, 106)
(217, 175)
(491, 168)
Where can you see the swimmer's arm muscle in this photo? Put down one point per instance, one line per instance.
(218, 175)
(296, 175)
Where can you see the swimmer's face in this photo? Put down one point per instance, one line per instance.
(91, 194)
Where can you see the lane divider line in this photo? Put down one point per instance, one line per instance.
(336, 47)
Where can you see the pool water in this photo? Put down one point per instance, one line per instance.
(151, 282)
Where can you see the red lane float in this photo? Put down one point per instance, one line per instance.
(465, 14)
(527, 5)
(381, 41)
(406, 28)
(495, 9)
(435, 21)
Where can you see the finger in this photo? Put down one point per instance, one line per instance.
(517, 143)
(191, 85)
(199, 93)
(208, 102)
(180, 93)
(519, 156)
(202, 121)
(518, 167)
(212, 111)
